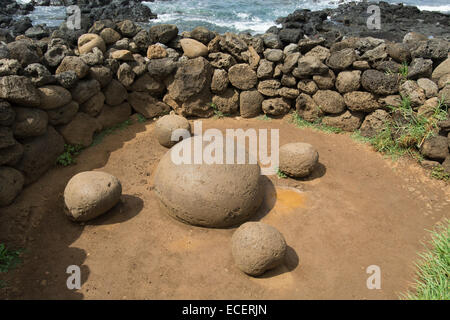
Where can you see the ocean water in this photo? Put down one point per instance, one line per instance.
(254, 16)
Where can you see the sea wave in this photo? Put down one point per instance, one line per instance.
(440, 8)
(253, 16)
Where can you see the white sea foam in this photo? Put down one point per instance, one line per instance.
(443, 8)
(255, 16)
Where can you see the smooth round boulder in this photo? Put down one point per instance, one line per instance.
(193, 48)
(298, 160)
(167, 125)
(257, 248)
(90, 194)
(208, 195)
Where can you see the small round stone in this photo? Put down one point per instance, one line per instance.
(208, 195)
(298, 160)
(90, 194)
(257, 248)
(167, 125)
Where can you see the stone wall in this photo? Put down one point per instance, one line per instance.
(52, 93)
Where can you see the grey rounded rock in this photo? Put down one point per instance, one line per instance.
(257, 248)
(298, 160)
(90, 194)
(208, 195)
(167, 125)
(11, 184)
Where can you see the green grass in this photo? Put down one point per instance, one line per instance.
(406, 135)
(264, 117)
(98, 138)
(439, 173)
(217, 113)
(317, 125)
(433, 269)
(404, 70)
(141, 118)
(9, 259)
(281, 174)
(68, 157)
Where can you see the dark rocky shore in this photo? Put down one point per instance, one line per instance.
(351, 20)
(91, 11)
(65, 86)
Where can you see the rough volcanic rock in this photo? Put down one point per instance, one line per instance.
(227, 102)
(361, 101)
(347, 121)
(40, 153)
(115, 93)
(72, 63)
(307, 108)
(380, 83)
(53, 97)
(11, 184)
(276, 106)
(374, 123)
(19, 90)
(250, 103)
(64, 114)
(242, 76)
(114, 115)
(30, 122)
(329, 101)
(435, 148)
(163, 33)
(147, 105)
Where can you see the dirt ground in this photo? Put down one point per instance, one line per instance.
(357, 210)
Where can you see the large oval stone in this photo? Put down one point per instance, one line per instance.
(208, 195)
(90, 194)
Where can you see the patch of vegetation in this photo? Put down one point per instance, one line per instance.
(439, 173)
(281, 174)
(264, 117)
(407, 132)
(9, 259)
(404, 70)
(317, 125)
(433, 269)
(141, 118)
(101, 135)
(217, 113)
(68, 157)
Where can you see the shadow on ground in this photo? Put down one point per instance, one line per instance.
(26, 222)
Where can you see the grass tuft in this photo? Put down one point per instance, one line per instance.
(68, 157)
(264, 117)
(433, 269)
(217, 113)
(317, 125)
(439, 173)
(98, 138)
(406, 133)
(9, 259)
(281, 174)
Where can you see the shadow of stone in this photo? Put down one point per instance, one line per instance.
(319, 171)
(36, 222)
(128, 207)
(270, 198)
(291, 262)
